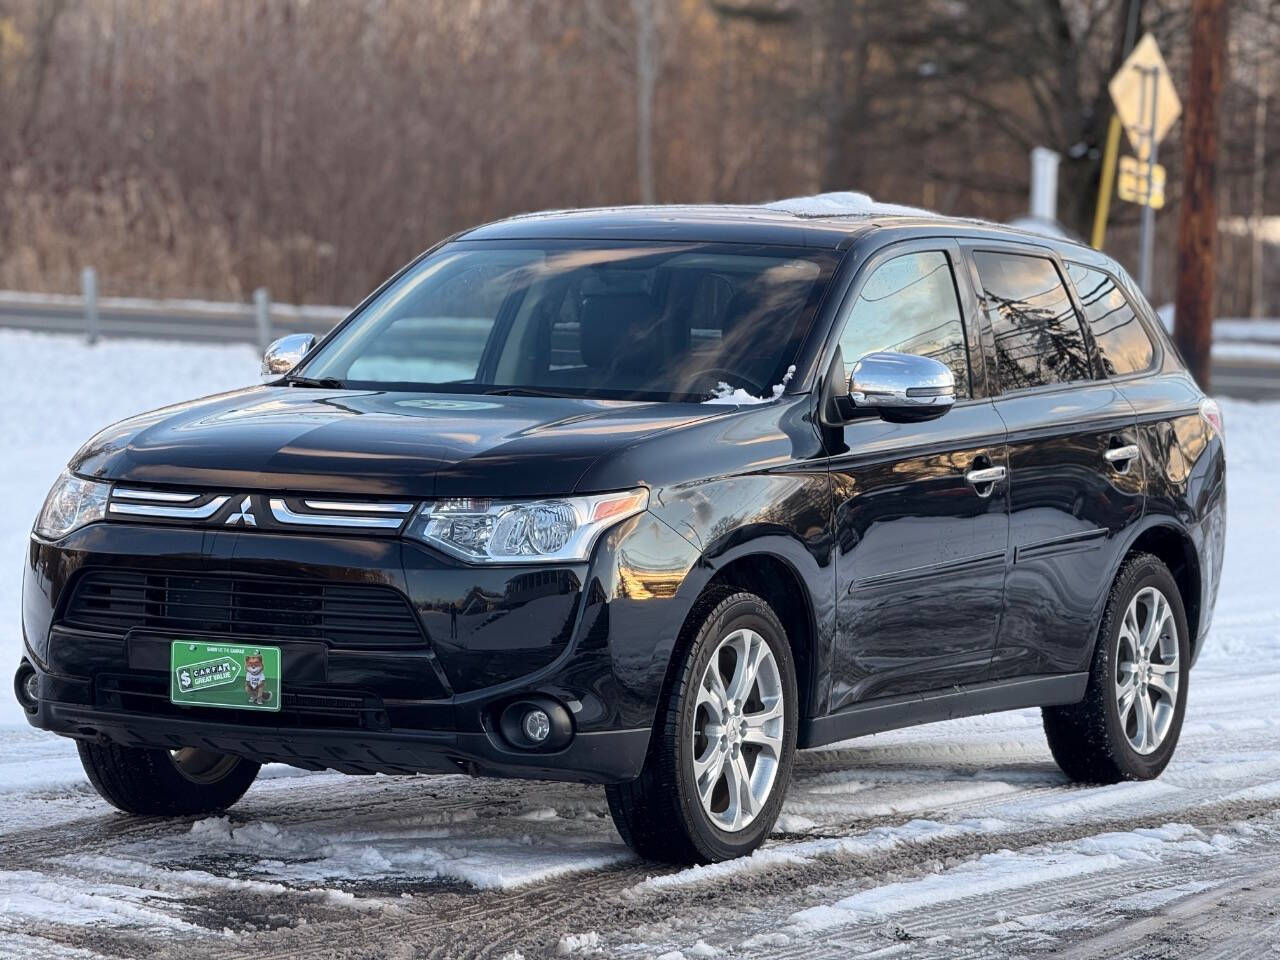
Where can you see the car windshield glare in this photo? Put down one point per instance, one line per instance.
(638, 320)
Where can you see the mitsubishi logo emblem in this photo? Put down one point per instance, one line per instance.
(243, 515)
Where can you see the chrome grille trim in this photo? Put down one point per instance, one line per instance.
(283, 514)
(164, 496)
(352, 506)
(211, 507)
(172, 511)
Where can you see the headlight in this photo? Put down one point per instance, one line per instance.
(523, 531)
(71, 504)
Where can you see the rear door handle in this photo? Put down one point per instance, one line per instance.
(1121, 457)
(984, 480)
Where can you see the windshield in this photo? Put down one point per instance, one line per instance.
(643, 321)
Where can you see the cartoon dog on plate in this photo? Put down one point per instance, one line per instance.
(255, 679)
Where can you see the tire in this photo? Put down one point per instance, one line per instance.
(163, 783)
(1098, 740)
(662, 815)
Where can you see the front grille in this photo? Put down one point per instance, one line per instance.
(346, 615)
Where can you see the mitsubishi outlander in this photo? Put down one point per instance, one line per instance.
(649, 498)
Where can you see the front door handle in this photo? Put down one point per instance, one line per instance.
(984, 479)
(1121, 457)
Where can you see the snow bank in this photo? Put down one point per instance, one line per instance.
(215, 308)
(55, 394)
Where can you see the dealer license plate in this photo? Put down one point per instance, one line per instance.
(240, 677)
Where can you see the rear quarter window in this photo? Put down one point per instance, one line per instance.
(1038, 338)
(1123, 344)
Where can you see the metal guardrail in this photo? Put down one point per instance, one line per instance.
(197, 320)
(261, 321)
(1252, 370)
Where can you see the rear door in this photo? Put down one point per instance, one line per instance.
(920, 548)
(1075, 471)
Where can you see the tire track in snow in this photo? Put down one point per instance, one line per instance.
(1005, 904)
(532, 919)
(1229, 921)
(568, 901)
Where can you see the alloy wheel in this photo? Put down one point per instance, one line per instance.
(739, 719)
(1148, 672)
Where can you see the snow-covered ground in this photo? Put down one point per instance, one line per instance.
(955, 838)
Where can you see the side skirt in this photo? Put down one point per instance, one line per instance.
(892, 713)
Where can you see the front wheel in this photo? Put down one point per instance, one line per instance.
(165, 782)
(722, 750)
(1128, 724)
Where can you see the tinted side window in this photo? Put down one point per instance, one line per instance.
(909, 305)
(1038, 336)
(1122, 342)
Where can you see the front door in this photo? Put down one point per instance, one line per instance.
(921, 533)
(1075, 473)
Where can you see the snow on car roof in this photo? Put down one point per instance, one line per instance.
(845, 203)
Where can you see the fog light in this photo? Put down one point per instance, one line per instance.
(535, 722)
(536, 725)
(27, 687)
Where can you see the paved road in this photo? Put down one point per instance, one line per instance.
(962, 840)
(1246, 380)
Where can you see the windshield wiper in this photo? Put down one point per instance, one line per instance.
(332, 383)
(521, 392)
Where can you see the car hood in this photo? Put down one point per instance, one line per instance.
(376, 442)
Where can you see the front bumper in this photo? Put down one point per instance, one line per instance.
(604, 756)
(594, 637)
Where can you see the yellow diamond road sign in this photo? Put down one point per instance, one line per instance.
(1135, 185)
(1146, 101)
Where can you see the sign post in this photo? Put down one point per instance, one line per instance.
(1148, 106)
(1148, 211)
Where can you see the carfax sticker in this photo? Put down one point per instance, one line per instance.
(224, 675)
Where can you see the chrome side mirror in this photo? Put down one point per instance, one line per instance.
(902, 387)
(285, 354)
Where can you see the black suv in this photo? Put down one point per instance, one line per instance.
(650, 498)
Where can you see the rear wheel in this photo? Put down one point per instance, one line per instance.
(1128, 724)
(721, 755)
(166, 782)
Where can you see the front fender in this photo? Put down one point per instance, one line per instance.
(784, 515)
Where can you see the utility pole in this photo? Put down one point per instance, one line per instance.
(1198, 218)
(1256, 306)
(647, 66)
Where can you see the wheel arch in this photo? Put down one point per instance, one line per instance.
(1174, 547)
(780, 585)
(774, 578)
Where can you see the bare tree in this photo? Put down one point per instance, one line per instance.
(639, 51)
(209, 147)
(41, 56)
